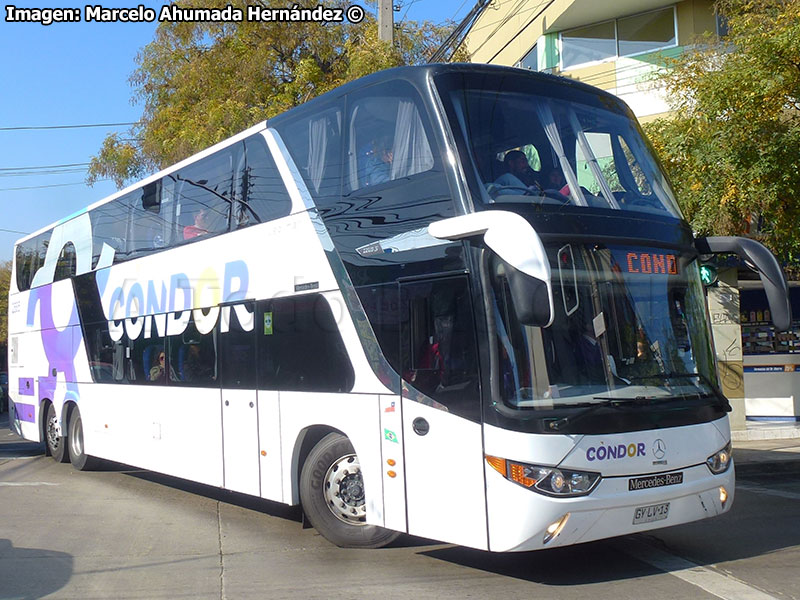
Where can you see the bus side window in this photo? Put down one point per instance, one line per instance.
(149, 360)
(30, 257)
(193, 358)
(438, 349)
(65, 267)
(150, 225)
(300, 347)
(110, 226)
(387, 138)
(204, 192)
(262, 195)
(314, 140)
(238, 354)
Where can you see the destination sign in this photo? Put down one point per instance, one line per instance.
(651, 263)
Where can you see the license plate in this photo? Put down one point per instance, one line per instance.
(648, 514)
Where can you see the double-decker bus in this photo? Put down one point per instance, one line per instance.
(456, 301)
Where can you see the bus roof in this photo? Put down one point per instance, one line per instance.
(418, 75)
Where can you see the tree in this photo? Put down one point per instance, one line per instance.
(731, 147)
(200, 82)
(5, 280)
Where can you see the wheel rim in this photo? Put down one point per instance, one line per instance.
(53, 432)
(344, 490)
(76, 439)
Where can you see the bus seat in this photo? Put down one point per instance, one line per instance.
(147, 361)
(181, 360)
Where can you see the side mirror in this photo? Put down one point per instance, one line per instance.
(513, 239)
(768, 269)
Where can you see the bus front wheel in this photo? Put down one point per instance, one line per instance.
(56, 443)
(333, 498)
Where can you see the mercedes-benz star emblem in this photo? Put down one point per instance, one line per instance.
(659, 448)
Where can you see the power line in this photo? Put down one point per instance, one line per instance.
(520, 32)
(83, 126)
(455, 38)
(38, 187)
(44, 167)
(14, 231)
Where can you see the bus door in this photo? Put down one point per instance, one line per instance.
(441, 412)
(240, 439)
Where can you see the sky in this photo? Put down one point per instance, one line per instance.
(55, 77)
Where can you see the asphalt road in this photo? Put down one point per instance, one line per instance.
(125, 533)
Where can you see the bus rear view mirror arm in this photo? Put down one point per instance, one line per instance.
(757, 255)
(512, 239)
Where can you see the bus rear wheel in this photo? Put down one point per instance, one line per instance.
(333, 498)
(77, 455)
(56, 443)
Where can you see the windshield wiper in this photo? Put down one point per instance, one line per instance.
(723, 401)
(594, 406)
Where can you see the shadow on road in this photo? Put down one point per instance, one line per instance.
(29, 573)
(575, 565)
(273, 509)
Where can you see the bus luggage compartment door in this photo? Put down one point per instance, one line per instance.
(240, 441)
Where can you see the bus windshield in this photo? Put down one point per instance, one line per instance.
(630, 324)
(581, 151)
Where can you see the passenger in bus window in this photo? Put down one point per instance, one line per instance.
(195, 368)
(200, 226)
(556, 181)
(518, 172)
(379, 160)
(158, 370)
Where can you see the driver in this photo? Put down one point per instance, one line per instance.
(518, 172)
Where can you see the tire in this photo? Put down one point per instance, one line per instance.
(56, 443)
(77, 455)
(332, 495)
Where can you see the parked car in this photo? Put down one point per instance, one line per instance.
(3, 391)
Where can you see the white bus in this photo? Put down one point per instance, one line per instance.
(456, 301)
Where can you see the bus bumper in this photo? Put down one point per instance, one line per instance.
(519, 518)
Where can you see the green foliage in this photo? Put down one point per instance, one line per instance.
(732, 145)
(200, 83)
(5, 279)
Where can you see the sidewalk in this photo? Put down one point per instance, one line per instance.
(767, 446)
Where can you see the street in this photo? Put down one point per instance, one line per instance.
(126, 533)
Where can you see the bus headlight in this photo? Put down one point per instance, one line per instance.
(551, 481)
(719, 462)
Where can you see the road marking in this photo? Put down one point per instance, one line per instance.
(25, 483)
(715, 583)
(769, 491)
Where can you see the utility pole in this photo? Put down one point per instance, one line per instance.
(386, 21)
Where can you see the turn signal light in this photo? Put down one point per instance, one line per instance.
(498, 464)
(549, 481)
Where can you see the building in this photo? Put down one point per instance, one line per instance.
(617, 46)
